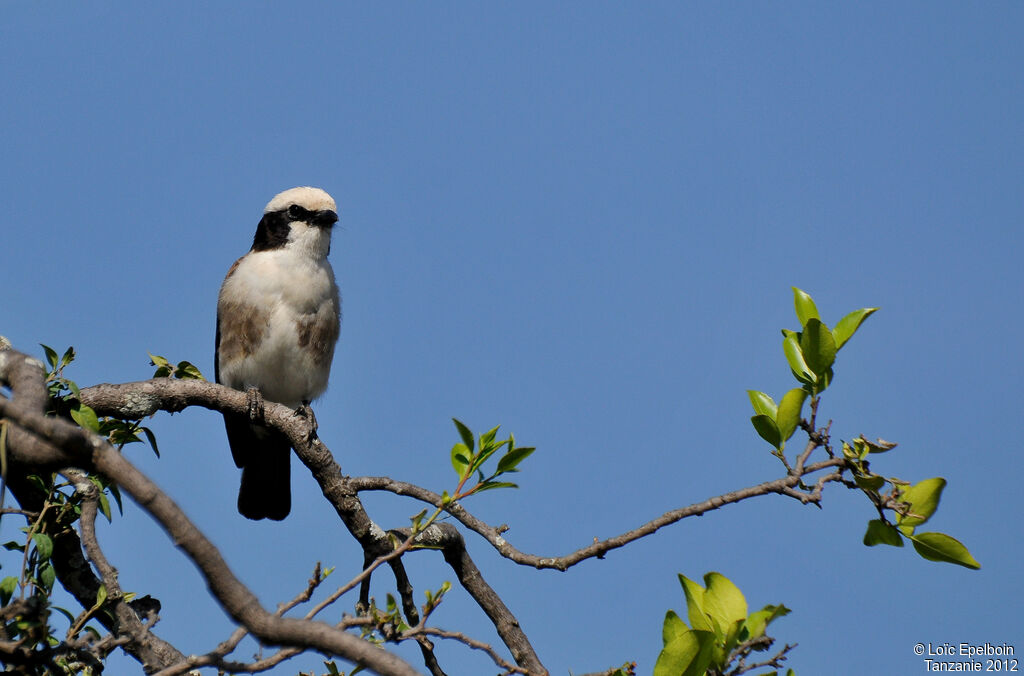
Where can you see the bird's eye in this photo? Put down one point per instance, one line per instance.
(296, 212)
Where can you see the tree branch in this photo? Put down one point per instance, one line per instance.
(92, 452)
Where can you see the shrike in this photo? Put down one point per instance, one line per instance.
(278, 318)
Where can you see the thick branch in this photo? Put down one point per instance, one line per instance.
(144, 398)
(91, 451)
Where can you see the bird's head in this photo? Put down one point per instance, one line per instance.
(299, 218)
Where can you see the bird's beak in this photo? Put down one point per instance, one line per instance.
(324, 219)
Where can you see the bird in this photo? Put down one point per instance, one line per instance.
(278, 320)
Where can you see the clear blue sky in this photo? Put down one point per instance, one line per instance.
(580, 221)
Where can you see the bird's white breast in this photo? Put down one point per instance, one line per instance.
(291, 295)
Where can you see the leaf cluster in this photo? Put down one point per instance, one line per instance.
(810, 353)
(720, 632)
(469, 455)
(184, 370)
(912, 505)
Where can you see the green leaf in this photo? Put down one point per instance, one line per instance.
(116, 492)
(47, 576)
(686, 655)
(805, 307)
(101, 595)
(817, 346)
(879, 446)
(152, 442)
(188, 371)
(759, 621)
(672, 627)
(695, 605)
(51, 359)
(8, 584)
(849, 324)
(486, 451)
(465, 433)
(511, 460)
(69, 356)
(763, 404)
(881, 533)
(942, 547)
(105, 507)
(487, 438)
(86, 418)
(767, 429)
(488, 485)
(163, 367)
(44, 545)
(924, 499)
(66, 613)
(723, 600)
(795, 358)
(870, 483)
(460, 459)
(790, 408)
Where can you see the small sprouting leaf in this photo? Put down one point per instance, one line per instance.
(188, 371)
(924, 499)
(805, 307)
(44, 545)
(488, 485)
(942, 547)
(817, 346)
(51, 359)
(86, 418)
(511, 460)
(446, 499)
(796, 361)
(163, 367)
(460, 459)
(788, 417)
(101, 595)
(417, 519)
(849, 324)
(767, 430)
(69, 356)
(881, 533)
(7, 587)
(465, 433)
(762, 403)
(487, 438)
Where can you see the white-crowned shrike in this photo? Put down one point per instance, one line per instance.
(278, 318)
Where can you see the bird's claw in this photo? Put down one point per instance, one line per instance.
(306, 411)
(255, 404)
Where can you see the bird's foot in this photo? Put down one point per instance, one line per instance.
(306, 411)
(255, 404)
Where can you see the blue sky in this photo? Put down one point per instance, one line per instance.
(579, 221)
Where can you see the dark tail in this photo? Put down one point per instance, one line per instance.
(265, 459)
